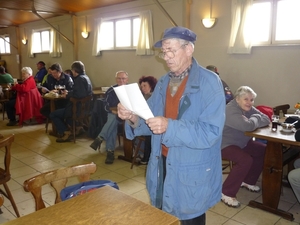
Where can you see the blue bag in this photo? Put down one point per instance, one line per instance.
(84, 187)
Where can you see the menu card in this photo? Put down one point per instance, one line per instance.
(132, 99)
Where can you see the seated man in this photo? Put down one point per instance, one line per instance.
(42, 71)
(5, 78)
(110, 129)
(24, 105)
(57, 77)
(227, 91)
(82, 88)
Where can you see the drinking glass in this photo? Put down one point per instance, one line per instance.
(275, 120)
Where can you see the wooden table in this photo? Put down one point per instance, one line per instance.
(98, 93)
(272, 172)
(105, 206)
(52, 100)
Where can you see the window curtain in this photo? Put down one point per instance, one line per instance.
(97, 38)
(30, 50)
(240, 37)
(55, 44)
(145, 42)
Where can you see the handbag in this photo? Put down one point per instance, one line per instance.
(84, 187)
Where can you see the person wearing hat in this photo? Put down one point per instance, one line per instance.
(42, 71)
(227, 92)
(184, 174)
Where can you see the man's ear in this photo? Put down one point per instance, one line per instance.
(189, 50)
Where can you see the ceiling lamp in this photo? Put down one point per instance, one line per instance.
(85, 34)
(209, 22)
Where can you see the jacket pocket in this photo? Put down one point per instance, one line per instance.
(194, 187)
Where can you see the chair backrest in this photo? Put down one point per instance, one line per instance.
(5, 172)
(282, 108)
(82, 109)
(58, 180)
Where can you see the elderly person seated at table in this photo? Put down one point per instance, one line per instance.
(56, 77)
(27, 102)
(5, 78)
(246, 154)
(110, 128)
(147, 85)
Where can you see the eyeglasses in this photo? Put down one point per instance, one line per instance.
(169, 53)
(121, 78)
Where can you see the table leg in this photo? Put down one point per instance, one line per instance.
(271, 181)
(52, 108)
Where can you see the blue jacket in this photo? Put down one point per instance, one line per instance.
(194, 176)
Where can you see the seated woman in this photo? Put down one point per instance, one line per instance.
(27, 101)
(147, 85)
(246, 154)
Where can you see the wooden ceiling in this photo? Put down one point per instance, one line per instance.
(16, 12)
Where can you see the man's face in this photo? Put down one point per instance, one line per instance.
(121, 79)
(176, 55)
(56, 74)
(39, 66)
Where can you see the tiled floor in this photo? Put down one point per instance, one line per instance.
(34, 152)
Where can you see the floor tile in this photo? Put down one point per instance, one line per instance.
(34, 152)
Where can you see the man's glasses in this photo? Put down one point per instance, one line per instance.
(169, 53)
(121, 78)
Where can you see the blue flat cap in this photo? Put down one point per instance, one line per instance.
(177, 32)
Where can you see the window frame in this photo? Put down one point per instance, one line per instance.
(6, 43)
(40, 32)
(114, 20)
(272, 27)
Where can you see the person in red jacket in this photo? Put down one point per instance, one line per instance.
(14, 106)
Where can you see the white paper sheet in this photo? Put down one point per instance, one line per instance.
(132, 99)
(287, 115)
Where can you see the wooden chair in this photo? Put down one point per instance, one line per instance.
(82, 110)
(58, 180)
(137, 148)
(226, 166)
(4, 98)
(284, 108)
(5, 172)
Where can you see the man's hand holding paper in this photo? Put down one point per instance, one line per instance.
(132, 99)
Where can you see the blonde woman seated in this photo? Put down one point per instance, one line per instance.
(246, 154)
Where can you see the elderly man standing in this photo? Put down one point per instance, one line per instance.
(184, 176)
(110, 128)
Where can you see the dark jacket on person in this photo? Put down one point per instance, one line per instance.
(82, 88)
(65, 79)
(111, 99)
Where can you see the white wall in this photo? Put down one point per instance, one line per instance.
(271, 71)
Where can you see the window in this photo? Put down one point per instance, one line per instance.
(275, 22)
(41, 41)
(125, 32)
(121, 33)
(4, 44)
